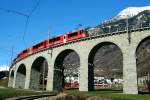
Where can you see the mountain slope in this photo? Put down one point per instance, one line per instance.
(109, 57)
(118, 23)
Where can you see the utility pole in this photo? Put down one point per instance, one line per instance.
(48, 39)
(49, 36)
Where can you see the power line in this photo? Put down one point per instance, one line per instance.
(18, 13)
(14, 11)
(25, 15)
(22, 14)
(35, 7)
(25, 30)
(27, 21)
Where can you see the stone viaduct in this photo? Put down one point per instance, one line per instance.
(25, 73)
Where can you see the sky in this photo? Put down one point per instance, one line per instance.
(51, 16)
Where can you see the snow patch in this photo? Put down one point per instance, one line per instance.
(128, 13)
(131, 11)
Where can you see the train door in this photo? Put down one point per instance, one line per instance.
(64, 38)
(30, 51)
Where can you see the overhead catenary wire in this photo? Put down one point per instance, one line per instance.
(25, 30)
(27, 21)
(15, 12)
(34, 8)
(18, 13)
(25, 15)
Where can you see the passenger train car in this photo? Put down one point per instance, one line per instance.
(57, 40)
(22, 54)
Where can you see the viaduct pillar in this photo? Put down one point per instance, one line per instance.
(50, 79)
(129, 70)
(83, 78)
(27, 80)
(14, 80)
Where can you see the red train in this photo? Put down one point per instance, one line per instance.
(57, 40)
(71, 85)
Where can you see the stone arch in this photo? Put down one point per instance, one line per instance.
(12, 73)
(140, 41)
(11, 78)
(95, 68)
(39, 71)
(20, 76)
(143, 62)
(60, 67)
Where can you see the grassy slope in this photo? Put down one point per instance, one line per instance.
(113, 95)
(9, 92)
(4, 82)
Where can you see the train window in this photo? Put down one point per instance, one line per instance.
(73, 34)
(58, 38)
(41, 44)
(51, 40)
(24, 51)
(81, 32)
(34, 47)
(64, 37)
(69, 35)
(55, 39)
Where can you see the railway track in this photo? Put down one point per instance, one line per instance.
(32, 97)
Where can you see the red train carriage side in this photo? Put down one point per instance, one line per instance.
(56, 40)
(71, 85)
(61, 39)
(50, 42)
(39, 46)
(76, 35)
(23, 54)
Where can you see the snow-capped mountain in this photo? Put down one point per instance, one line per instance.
(137, 17)
(131, 11)
(128, 13)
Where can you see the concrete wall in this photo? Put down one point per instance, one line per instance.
(20, 81)
(83, 49)
(35, 79)
(11, 78)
